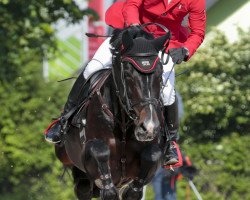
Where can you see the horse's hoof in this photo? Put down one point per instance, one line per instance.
(128, 193)
(122, 191)
(110, 194)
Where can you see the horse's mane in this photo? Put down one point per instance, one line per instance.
(116, 38)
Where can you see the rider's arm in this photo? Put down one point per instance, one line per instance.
(197, 24)
(131, 12)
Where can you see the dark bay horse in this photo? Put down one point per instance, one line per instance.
(118, 145)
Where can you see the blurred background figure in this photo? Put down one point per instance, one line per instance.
(165, 181)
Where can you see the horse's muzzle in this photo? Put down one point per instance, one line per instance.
(146, 131)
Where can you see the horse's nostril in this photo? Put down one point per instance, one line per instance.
(143, 128)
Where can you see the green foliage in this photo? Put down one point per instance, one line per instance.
(215, 129)
(216, 90)
(223, 167)
(26, 26)
(29, 168)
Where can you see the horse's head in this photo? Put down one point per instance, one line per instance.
(137, 73)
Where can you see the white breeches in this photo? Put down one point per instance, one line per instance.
(103, 59)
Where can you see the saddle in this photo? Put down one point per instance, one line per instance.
(95, 82)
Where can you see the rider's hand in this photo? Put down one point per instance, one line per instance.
(178, 54)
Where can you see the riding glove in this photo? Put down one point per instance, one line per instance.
(178, 54)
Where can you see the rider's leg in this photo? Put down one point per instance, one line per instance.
(170, 113)
(172, 121)
(75, 96)
(102, 59)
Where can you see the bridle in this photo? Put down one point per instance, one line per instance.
(126, 103)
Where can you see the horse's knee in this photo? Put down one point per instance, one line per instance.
(99, 150)
(151, 153)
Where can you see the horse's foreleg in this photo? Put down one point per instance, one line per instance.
(100, 152)
(83, 186)
(150, 160)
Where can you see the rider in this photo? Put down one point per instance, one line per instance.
(184, 42)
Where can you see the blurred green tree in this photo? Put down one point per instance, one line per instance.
(215, 129)
(28, 167)
(216, 90)
(27, 26)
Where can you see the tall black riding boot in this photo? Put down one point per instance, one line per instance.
(76, 96)
(172, 121)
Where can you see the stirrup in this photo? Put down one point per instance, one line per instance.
(51, 141)
(174, 164)
(172, 161)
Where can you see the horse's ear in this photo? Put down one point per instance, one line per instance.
(127, 41)
(161, 42)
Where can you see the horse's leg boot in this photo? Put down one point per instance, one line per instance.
(172, 154)
(99, 151)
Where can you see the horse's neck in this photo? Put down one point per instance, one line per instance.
(114, 104)
(110, 96)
